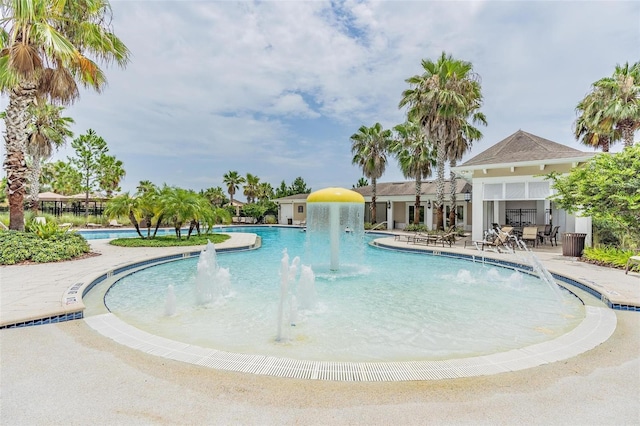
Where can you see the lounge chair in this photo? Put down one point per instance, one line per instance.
(93, 225)
(552, 237)
(422, 238)
(114, 223)
(632, 260)
(530, 234)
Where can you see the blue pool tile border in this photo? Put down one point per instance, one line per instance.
(69, 316)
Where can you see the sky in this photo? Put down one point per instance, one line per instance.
(277, 88)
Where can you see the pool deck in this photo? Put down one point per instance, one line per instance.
(68, 373)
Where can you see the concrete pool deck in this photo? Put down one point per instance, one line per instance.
(68, 373)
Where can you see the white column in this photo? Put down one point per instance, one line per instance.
(390, 217)
(477, 217)
(583, 226)
(428, 216)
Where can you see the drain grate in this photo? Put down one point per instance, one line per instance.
(598, 325)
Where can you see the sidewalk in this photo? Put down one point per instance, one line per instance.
(36, 291)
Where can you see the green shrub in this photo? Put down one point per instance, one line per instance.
(16, 247)
(170, 241)
(270, 219)
(607, 256)
(45, 230)
(416, 228)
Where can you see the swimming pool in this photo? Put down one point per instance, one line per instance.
(390, 306)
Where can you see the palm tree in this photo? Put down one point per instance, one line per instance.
(620, 97)
(232, 180)
(182, 206)
(150, 206)
(265, 191)
(369, 147)
(47, 130)
(591, 127)
(441, 100)
(46, 49)
(361, 182)
(251, 187)
(124, 205)
(215, 196)
(144, 186)
(416, 157)
(455, 151)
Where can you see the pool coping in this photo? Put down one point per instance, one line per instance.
(597, 326)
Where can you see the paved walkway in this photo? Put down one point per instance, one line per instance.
(37, 291)
(67, 373)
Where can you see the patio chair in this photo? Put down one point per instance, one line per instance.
(552, 237)
(632, 260)
(114, 223)
(530, 234)
(422, 238)
(448, 237)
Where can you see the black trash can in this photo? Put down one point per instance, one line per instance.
(573, 244)
(289, 221)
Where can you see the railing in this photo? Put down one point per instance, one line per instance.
(520, 217)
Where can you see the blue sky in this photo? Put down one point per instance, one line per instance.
(277, 88)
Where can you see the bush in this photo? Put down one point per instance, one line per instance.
(607, 256)
(270, 219)
(170, 241)
(416, 228)
(16, 247)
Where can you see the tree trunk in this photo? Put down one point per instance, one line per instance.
(373, 201)
(453, 184)
(626, 128)
(34, 184)
(16, 121)
(416, 206)
(439, 204)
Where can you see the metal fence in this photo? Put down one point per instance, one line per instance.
(521, 217)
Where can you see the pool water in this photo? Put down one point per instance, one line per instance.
(387, 306)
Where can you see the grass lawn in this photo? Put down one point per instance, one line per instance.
(171, 241)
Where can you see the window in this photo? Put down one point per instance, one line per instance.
(300, 209)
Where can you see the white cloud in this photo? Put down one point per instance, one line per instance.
(277, 88)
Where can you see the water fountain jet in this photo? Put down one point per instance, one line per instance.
(331, 212)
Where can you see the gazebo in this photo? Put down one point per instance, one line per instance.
(52, 203)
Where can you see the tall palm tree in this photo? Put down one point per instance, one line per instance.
(591, 127)
(361, 182)
(620, 97)
(47, 131)
(456, 149)
(144, 186)
(369, 147)
(441, 99)
(232, 180)
(251, 187)
(416, 157)
(215, 196)
(265, 191)
(45, 51)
